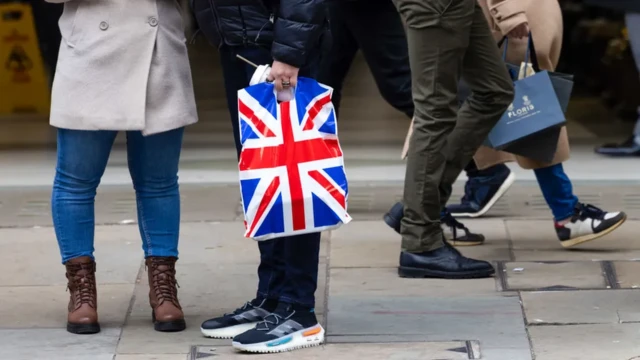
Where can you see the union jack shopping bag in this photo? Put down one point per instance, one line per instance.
(292, 177)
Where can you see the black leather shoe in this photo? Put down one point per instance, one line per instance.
(394, 216)
(445, 263)
(627, 148)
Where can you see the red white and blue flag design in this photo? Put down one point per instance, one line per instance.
(292, 176)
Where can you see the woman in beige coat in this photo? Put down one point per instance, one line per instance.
(489, 178)
(123, 65)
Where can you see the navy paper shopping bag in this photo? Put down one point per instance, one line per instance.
(535, 108)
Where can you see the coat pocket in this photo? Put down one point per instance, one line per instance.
(69, 23)
(420, 14)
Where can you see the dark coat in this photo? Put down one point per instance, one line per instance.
(623, 5)
(291, 28)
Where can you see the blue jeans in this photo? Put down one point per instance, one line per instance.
(557, 190)
(288, 270)
(554, 183)
(153, 165)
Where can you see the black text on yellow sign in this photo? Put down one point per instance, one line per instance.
(24, 87)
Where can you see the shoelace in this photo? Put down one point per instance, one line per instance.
(164, 281)
(591, 211)
(453, 224)
(83, 282)
(241, 309)
(272, 319)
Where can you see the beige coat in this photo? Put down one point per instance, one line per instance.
(123, 65)
(545, 21)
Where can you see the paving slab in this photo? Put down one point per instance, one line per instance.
(58, 344)
(452, 350)
(535, 275)
(496, 322)
(24, 307)
(139, 337)
(581, 307)
(384, 282)
(535, 240)
(628, 274)
(31, 256)
(586, 342)
(374, 244)
(151, 357)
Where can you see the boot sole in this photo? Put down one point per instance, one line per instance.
(168, 326)
(590, 237)
(83, 329)
(418, 273)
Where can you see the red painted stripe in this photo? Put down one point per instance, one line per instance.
(293, 173)
(315, 110)
(322, 180)
(266, 200)
(256, 121)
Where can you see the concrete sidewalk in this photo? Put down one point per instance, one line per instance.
(545, 302)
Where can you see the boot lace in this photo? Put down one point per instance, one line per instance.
(164, 280)
(82, 281)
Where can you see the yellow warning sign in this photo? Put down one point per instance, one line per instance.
(24, 87)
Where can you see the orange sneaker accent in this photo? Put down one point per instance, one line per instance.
(312, 332)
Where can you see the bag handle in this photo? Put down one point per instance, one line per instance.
(529, 54)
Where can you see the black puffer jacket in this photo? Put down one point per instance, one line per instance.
(292, 28)
(624, 5)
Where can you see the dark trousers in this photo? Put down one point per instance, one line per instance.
(447, 40)
(375, 28)
(46, 16)
(288, 269)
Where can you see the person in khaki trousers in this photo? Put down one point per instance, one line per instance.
(448, 39)
(123, 65)
(489, 178)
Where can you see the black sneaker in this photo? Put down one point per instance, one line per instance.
(481, 192)
(630, 147)
(459, 235)
(588, 223)
(241, 320)
(290, 327)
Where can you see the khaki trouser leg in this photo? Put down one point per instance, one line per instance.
(446, 40)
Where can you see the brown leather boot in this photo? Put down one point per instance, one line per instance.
(83, 299)
(167, 313)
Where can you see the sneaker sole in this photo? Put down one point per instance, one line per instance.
(464, 243)
(590, 237)
(417, 273)
(228, 332)
(501, 191)
(298, 340)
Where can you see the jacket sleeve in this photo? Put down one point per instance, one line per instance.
(297, 30)
(508, 14)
